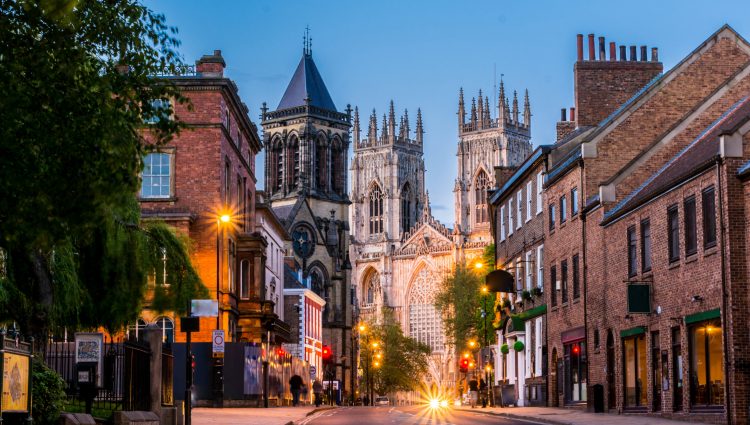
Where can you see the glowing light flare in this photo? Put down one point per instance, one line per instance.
(478, 265)
(472, 344)
(225, 218)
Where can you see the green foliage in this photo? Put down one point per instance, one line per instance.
(76, 254)
(537, 292)
(462, 301)
(504, 349)
(48, 393)
(518, 346)
(526, 295)
(403, 362)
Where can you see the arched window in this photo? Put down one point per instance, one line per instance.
(134, 330)
(376, 210)
(425, 321)
(318, 281)
(371, 293)
(321, 164)
(167, 329)
(277, 179)
(481, 185)
(406, 208)
(293, 163)
(338, 178)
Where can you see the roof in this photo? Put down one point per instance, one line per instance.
(694, 157)
(524, 168)
(283, 211)
(291, 280)
(306, 84)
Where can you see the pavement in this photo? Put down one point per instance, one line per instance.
(253, 416)
(407, 415)
(558, 416)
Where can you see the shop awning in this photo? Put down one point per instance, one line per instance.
(500, 281)
(704, 315)
(638, 330)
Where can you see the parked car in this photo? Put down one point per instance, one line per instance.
(382, 401)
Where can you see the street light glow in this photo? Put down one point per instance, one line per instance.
(362, 328)
(472, 344)
(466, 355)
(375, 344)
(484, 289)
(225, 218)
(478, 265)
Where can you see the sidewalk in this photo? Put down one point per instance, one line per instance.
(553, 415)
(252, 415)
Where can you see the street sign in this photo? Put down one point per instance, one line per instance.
(204, 308)
(218, 343)
(313, 371)
(334, 384)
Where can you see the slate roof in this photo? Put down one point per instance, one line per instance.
(291, 280)
(307, 83)
(697, 154)
(283, 211)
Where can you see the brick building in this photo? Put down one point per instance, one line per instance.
(648, 262)
(207, 171)
(518, 212)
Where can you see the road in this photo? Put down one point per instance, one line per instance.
(411, 415)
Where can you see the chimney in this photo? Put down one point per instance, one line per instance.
(592, 55)
(623, 53)
(563, 114)
(633, 56)
(572, 113)
(644, 56)
(211, 65)
(654, 54)
(579, 44)
(612, 51)
(502, 174)
(601, 49)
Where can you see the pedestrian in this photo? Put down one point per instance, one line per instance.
(366, 401)
(473, 392)
(318, 392)
(295, 385)
(483, 392)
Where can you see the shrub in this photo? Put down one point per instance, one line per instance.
(537, 292)
(48, 392)
(504, 349)
(518, 346)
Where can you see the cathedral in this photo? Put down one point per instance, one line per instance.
(400, 252)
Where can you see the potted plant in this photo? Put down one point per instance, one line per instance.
(526, 295)
(537, 292)
(518, 346)
(504, 349)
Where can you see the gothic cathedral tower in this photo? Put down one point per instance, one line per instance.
(388, 198)
(306, 144)
(486, 143)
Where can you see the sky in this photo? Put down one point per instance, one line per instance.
(419, 53)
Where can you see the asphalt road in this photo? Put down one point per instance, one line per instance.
(411, 415)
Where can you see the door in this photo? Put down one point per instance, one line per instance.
(611, 397)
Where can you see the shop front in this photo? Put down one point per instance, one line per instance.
(573, 366)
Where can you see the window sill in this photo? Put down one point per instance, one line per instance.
(713, 249)
(690, 258)
(646, 274)
(576, 300)
(674, 264)
(170, 199)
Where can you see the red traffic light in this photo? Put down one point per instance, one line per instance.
(326, 352)
(464, 365)
(280, 352)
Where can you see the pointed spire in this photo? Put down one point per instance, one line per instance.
(405, 124)
(420, 130)
(507, 111)
(384, 134)
(526, 109)
(473, 113)
(480, 111)
(426, 210)
(487, 117)
(515, 107)
(461, 110)
(391, 124)
(501, 97)
(372, 131)
(355, 128)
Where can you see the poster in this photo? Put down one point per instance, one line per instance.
(253, 370)
(89, 348)
(15, 383)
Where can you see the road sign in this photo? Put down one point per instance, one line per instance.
(313, 371)
(218, 343)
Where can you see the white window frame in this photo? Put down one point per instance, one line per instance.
(510, 216)
(540, 267)
(539, 188)
(519, 206)
(160, 176)
(529, 197)
(527, 357)
(502, 223)
(538, 336)
(529, 269)
(574, 203)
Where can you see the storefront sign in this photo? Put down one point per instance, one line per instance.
(15, 395)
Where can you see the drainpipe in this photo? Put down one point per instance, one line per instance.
(723, 289)
(585, 281)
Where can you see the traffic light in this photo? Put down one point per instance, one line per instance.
(464, 365)
(192, 367)
(327, 354)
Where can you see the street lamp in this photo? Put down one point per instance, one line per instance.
(218, 363)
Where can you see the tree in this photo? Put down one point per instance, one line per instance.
(462, 300)
(78, 83)
(402, 362)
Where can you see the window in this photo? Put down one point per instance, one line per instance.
(510, 216)
(635, 370)
(156, 177)
(576, 278)
(632, 252)
(553, 282)
(551, 217)
(406, 212)
(376, 210)
(575, 371)
(574, 201)
(646, 245)
(539, 188)
(321, 171)
(540, 266)
(231, 254)
(245, 278)
(425, 324)
(709, 217)
(691, 240)
(167, 329)
(673, 234)
(564, 280)
(529, 269)
(134, 331)
(656, 366)
(563, 209)
(481, 185)
(502, 223)
(529, 197)
(519, 204)
(706, 366)
(160, 109)
(227, 192)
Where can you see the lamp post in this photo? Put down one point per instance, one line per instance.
(218, 362)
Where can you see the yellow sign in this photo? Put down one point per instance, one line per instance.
(15, 383)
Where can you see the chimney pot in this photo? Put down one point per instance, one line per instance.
(633, 54)
(623, 53)
(572, 113)
(217, 52)
(643, 54)
(654, 54)
(601, 49)
(612, 51)
(563, 115)
(579, 44)
(592, 55)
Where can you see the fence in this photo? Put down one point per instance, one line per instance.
(124, 375)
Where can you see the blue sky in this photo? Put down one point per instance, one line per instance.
(419, 53)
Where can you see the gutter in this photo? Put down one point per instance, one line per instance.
(723, 289)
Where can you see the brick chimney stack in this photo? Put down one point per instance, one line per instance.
(211, 65)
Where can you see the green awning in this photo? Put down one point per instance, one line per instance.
(516, 323)
(638, 330)
(705, 315)
(533, 312)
